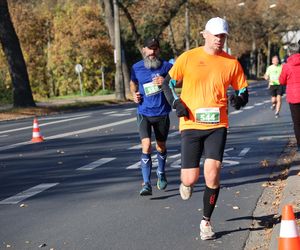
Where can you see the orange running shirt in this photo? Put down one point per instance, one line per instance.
(206, 79)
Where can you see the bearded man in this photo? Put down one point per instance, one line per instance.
(153, 111)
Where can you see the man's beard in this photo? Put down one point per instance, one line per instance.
(151, 63)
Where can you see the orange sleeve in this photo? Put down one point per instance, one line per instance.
(239, 79)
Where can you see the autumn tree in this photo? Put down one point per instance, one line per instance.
(22, 95)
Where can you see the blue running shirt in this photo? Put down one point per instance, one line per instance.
(151, 104)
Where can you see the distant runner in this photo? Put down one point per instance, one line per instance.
(276, 90)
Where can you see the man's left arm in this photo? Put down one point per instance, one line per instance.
(239, 99)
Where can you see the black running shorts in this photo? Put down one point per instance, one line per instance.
(194, 142)
(276, 90)
(160, 124)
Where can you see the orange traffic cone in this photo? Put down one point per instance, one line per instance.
(289, 236)
(36, 136)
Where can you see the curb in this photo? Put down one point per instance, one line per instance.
(290, 193)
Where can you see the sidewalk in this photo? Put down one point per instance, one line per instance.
(290, 195)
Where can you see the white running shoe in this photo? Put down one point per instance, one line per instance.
(206, 231)
(185, 191)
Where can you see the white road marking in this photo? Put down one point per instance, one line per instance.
(130, 109)
(27, 193)
(268, 138)
(176, 164)
(3, 135)
(119, 115)
(267, 101)
(236, 112)
(137, 165)
(71, 133)
(63, 117)
(226, 150)
(44, 124)
(248, 107)
(227, 161)
(174, 134)
(244, 152)
(109, 113)
(82, 131)
(96, 164)
(175, 156)
(258, 104)
(14, 145)
(134, 166)
(139, 146)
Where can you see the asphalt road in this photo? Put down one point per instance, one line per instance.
(79, 188)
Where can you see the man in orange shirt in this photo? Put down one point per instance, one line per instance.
(206, 73)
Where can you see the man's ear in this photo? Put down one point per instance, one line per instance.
(204, 33)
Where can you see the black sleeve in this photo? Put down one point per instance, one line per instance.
(167, 91)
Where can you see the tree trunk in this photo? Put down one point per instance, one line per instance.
(187, 26)
(22, 95)
(119, 83)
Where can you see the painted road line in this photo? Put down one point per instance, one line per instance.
(176, 133)
(15, 145)
(258, 104)
(96, 164)
(244, 152)
(134, 166)
(82, 131)
(72, 133)
(109, 113)
(62, 117)
(226, 150)
(44, 124)
(130, 109)
(137, 165)
(268, 138)
(267, 101)
(139, 146)
(119, 115)
(236, 112)
(248, 107)
(28, 193)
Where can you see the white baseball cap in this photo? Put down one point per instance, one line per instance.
(217, 26)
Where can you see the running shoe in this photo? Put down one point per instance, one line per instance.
(161, 181)
(276, 115)
(206, 231)
(146, 189)
(273, 106)
(185, 192)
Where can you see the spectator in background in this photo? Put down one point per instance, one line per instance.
(290, 76)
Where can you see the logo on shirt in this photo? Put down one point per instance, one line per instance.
(202, 63)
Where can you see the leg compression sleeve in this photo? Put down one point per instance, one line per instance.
(146, 166)
(210, 197)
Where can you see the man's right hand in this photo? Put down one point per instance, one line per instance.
(181, 110)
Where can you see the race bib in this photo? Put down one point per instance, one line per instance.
(151, 89)
(208, 115)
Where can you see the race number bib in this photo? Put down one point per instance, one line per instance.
(151, 89)
(208, 115)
